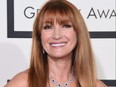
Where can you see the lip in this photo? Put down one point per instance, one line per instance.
(58, 44)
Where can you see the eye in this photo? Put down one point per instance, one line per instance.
(67, 26)
(47, 27)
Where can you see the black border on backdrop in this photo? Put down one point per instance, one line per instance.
(28, 34)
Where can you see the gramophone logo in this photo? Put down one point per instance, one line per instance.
(12, 33)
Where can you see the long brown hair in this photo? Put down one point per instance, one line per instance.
(61, 10)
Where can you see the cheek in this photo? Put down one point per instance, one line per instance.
(73, 37)
(73, 40)
(45, 38)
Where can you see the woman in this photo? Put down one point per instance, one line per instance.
(61, 50)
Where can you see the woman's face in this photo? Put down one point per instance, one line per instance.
(58, 40)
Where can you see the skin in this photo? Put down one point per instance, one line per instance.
(20, 80)
(58, 42)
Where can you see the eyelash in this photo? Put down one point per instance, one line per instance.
(67, 25)
(47, 27)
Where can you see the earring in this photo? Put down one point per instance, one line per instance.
(43, 51)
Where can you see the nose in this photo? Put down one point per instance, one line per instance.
(57, 34)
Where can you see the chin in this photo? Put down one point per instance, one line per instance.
(59, 56)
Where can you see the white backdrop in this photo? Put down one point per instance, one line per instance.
(100, 15)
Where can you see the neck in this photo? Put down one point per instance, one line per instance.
(60, 68)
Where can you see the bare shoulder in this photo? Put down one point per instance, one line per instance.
(20, 80)
(100, 84)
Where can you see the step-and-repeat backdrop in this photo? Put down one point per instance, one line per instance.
(16, 21)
